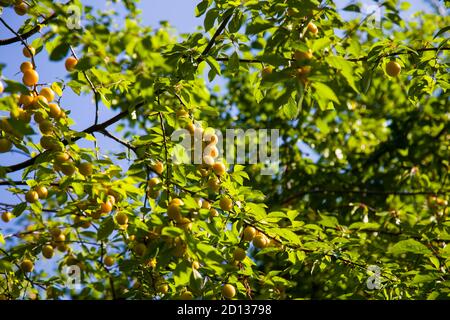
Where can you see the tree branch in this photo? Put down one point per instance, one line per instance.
(27, 34)
(166, 152)
(91, 129)
(22, 40)
(214, 37)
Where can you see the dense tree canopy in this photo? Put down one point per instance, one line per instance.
(358, 207)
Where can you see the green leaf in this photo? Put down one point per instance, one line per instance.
(233, 62)
(366, 81)
(236, 22)
(87, 62)
(19, 209)
(435, 262)
(286, 234)
(258, 25)
(182, 273)
(207, 251)
(105, 229)
(325, 92)
(15, 87)
(210, 19)
(140, 225)
(201, 8)
(423, 278)
(345, 67)
(290, 109)
(5, 266)
(409, 246)
(57, 88)
(78, 188)
(171, 231)
(59, 52)
(213, 64)
(352, 7)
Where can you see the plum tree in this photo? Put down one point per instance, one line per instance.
(303, 55)
(276, 152)
(266, 71)
(55, 111)
(106, 207)
(158, 167)
(186, 295)
(219, 168)
(311, 27)
(140, 249)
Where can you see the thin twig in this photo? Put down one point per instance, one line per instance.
(21, 40)
(166, 153)
(27, 34)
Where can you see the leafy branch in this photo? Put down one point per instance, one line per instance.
(94, 128)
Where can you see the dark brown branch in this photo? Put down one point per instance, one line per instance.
(27, 34)
(166, 152)
(214, 37)
(94, 90)
(19, 183)
(9, 205)
(91, 129)
(22, 40)
(113, 137)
